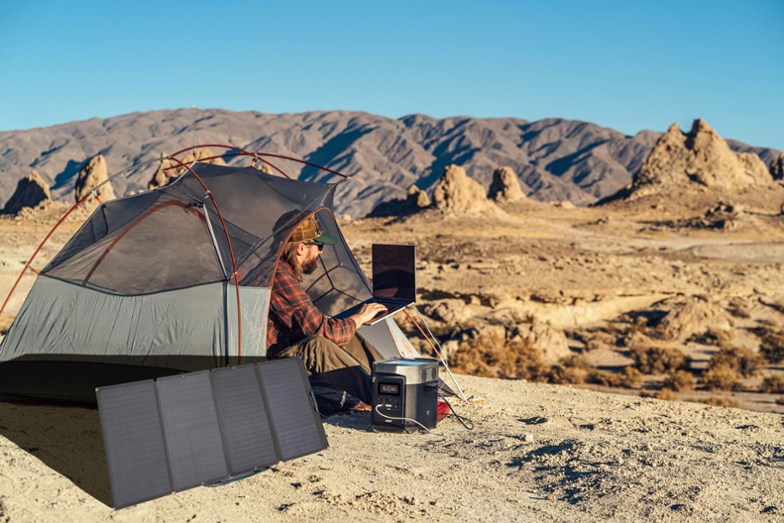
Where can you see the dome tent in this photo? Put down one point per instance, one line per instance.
(176, 279)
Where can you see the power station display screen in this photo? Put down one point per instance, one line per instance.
(389, 389)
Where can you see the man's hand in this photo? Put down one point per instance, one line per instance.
(367, 313)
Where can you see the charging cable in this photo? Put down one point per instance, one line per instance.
(395, 418)
(465, 422)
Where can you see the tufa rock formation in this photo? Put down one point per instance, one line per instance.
(31, 191)
(455, 192)
(505, 186)
(777, 168)
(91, 175)
(170, 169)
(700, 158)
(417, 197)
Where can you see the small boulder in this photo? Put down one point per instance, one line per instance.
(505, 186)
(31, 191)
(93, 174)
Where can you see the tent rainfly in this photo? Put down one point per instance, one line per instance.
(176, 279)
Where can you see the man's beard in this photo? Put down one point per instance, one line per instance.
(310, 267)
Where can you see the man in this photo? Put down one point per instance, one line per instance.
(335, 356)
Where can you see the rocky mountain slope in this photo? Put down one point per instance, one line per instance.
(555, 159)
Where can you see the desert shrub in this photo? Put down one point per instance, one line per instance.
(721, 377)
(679, 381)
(666, 394)
(715, 337)
(772, 385)
(721, 402)
(632, 378)
(639, 326)
(574, 361)
(566, 375)
(741, 359)
(772, 346)
(657, 360)
(604, 377)
(491, 355)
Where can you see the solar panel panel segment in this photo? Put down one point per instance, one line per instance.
(295, 420)
(134, 444)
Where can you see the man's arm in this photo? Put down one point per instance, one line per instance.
(297, 312)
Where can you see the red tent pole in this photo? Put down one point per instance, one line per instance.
(231, 252)
(260, 155)
(46, 238)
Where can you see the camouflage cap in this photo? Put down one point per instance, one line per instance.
(310, 231)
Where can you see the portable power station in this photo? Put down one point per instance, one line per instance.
(405, 395)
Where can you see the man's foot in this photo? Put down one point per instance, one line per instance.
(361, 406)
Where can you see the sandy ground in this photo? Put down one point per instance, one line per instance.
(538, 453)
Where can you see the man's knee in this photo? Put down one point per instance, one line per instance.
(317, 343)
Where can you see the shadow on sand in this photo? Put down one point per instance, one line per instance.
(66, 439)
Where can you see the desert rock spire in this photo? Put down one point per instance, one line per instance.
(455, 192)
(700, 157)
(505, 186)
(93, 174)
(31, 191)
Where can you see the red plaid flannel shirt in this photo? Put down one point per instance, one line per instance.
(293, 316)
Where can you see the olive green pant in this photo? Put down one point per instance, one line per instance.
(346, 368)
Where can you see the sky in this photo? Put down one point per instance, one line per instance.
(626, 65)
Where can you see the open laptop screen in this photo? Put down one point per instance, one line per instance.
(394, 272)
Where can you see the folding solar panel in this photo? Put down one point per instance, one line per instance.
(295, 420)
(133, 440)
(182, 431)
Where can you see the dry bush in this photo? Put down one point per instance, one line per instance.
(632, 378)
(566, 375)
(680, 381)
(639, 326)
(715, 337)
(772, 385)
(743, 360)
(605, 377)
(772, 346)
(657, 360)
(574, 361)
(721, 377)
(666, 394)
(490, 355)
(721, 402)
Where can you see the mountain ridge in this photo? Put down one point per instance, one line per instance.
(554, 158)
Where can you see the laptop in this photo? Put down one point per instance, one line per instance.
(394, 280)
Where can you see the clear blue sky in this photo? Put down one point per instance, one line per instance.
(628, 65)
